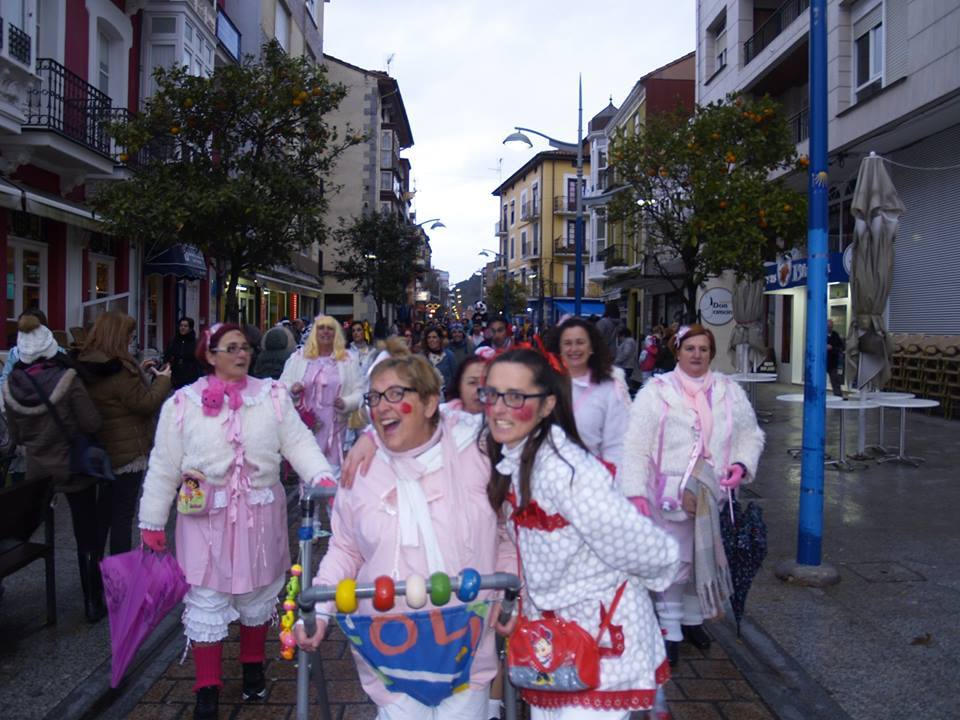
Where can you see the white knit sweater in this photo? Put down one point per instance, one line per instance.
(187, 439)
(660, 397)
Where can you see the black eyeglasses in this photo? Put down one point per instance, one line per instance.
(233, 349)
(511, 398)
(393, 394)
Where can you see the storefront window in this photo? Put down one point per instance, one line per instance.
(153, 319)
(26, 282)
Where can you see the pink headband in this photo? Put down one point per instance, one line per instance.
(681, 333)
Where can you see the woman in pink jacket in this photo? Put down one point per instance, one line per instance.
(420, 508)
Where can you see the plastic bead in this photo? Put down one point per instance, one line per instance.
(416, 592)
(439, 589)
(289, 605)
(296, 570)
(346, 596)
(287, 639)
(383, 593)
(469, 585)
(287, 654)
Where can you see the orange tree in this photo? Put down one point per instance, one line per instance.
(233, 164)
(704, 194)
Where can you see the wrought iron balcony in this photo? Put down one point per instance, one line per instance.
(563, 247)
(563, 204)
(18, 43)
(67, 104)
(782, 17)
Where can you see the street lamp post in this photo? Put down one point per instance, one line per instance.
(436, 223)
(500, 259)
(578, 241)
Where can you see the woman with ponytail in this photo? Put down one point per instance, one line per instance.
(226, 434)
(693, 439)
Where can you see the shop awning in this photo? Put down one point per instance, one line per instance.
(47, 205)
(291, 280)
(587, 307)
(182, 261)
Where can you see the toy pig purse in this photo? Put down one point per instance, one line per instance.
(195, 496)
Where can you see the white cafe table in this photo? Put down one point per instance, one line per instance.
(798, 398)
(751, 380)
(905, 404)
(876, 396)
(847, 463)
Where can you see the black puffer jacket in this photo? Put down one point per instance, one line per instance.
(278, 345)
(180, 353)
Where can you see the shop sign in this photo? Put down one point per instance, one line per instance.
(789, 271)
(716, 306)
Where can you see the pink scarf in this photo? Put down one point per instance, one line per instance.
(213, 394)
(694, 393)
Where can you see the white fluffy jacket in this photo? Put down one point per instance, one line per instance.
(660, 396)
(351, 380)
(187, 439)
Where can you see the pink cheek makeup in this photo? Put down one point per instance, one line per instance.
(523, 414)
(406, 408)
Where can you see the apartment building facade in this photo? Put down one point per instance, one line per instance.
(536, 232)
(894, 89)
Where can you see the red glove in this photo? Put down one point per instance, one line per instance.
(156, 540)
(734, 477)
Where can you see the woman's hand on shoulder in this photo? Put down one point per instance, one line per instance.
(358, 460)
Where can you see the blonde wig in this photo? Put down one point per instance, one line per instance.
(311, 348)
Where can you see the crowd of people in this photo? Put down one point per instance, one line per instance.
(581, 460)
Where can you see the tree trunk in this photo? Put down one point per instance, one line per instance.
(231, 312)
(690, 291)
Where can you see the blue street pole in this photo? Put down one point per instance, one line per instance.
(810, 530)
(578, 227)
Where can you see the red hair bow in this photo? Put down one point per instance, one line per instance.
(537, 346)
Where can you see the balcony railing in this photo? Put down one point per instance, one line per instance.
(561, 246)
(498, 230)
(800, 126)
(564, 204)
(65, 103)
(19, 44)
(614, 256)
(782, 17)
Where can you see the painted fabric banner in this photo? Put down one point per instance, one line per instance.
(426, 655)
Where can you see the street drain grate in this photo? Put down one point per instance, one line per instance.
(885, 572)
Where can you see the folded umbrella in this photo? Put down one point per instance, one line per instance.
(140, 587)
(744, 535)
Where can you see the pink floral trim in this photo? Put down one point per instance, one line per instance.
(600, 699)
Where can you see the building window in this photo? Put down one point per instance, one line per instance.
(153, 321)
(716, 42)
(535, 198)
(101, 277)
(523, 243)
(282, 27)
(386, 149)
(312, 10)
(536, 238)
(513, 215)
(386, 180)
(197, 52)
(571, 233)
(571, 279)
(26, 277)
(103, 62)
(511, 248)
(868, 49)
(504, 217)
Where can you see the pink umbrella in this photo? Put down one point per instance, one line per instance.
(140, 587)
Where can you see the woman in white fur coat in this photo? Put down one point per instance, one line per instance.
(326, 385)
(223, 437)
(693, 437)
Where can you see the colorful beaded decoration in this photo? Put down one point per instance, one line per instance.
(287, 642)
(439, 589)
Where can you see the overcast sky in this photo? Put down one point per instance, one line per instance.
(470, 70)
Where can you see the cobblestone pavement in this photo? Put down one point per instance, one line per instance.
(705, 686)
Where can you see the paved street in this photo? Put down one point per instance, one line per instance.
(881, 643)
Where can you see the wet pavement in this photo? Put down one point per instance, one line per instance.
(881, 644)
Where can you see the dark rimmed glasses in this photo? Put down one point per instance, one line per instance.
(511, 398)
(393, 394)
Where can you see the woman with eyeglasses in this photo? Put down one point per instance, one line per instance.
(584, 549)
(228, 432)
(694, 439)
(325, 384)
(419, 508)
(601, 401)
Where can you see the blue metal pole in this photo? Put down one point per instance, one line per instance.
(810, 530)
(578, 228)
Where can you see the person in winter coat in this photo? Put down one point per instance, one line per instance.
(43, 373)
(582, 544)
(128, 403)
(440, 358)
(693, 439)
(460, 345)
(325, 383)
(230, 431)
(626, 357)
(278, 345)
(181, 355)
(647, 360)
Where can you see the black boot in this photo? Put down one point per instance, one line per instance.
(696, 636)
(94, 607)
(208, 703)
(254, 683)
(673, 652)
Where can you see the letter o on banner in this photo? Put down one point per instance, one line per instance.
(376, 629)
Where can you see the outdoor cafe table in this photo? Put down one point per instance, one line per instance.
(798, 398)
(904, 404)
(751, 380)
(875, 396)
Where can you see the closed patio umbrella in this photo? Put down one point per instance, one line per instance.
(746, 342)
(877, 209)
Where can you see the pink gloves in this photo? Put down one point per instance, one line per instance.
(733, 477)
(640, 503)
(156, 540)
